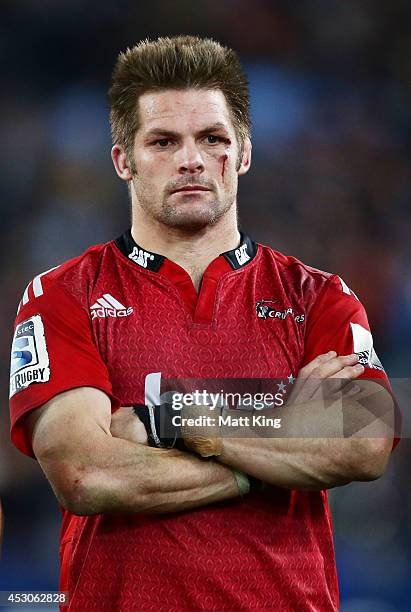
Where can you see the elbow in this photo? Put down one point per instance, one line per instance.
(73, 485)
(96, 492)
(85, 489)
(69, 480)
(77, 495)
(75, 505)
(369, 458)
(86, 493)
(357, 459)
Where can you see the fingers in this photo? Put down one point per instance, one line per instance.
(305, 387)
(345, 366)
(206, 447)
(349, 372)
(325, 375)
(318, 361)
(340, 380)
(205, 438)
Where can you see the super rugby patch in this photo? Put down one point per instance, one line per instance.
(29, 356)
(363, 347)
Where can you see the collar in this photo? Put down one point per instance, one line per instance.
(237, 258)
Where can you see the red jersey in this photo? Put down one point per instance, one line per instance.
(117, 313)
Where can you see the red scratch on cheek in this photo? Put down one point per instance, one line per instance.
(223, 160)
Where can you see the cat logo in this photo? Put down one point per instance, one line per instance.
(140, 257)
(242, 255)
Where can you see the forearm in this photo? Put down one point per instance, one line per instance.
(320, 445)
(305, 463)
(123, 477)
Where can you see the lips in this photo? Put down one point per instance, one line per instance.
(190, 188)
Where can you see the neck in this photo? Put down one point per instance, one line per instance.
(192, 250)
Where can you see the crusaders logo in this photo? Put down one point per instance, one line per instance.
(264, 310)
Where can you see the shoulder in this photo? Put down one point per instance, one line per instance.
(71, 277)
(297, 279)
(292, 265)
(302, 281)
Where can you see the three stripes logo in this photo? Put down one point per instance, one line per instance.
(107, 306)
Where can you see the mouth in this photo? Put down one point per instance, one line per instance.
(190, 189)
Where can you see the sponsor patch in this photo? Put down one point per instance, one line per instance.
(369, 359)
(141, 257)
(108, 306)
(242, 255)
(363, 346)
(265, 311)
(29, 356)
(345, 288)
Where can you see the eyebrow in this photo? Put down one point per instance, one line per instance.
(170, 134)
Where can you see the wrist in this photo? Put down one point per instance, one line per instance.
(243, 482)
(159, 425)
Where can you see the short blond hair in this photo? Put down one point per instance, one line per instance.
(177, 62)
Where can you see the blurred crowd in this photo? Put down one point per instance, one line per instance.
(330, 184)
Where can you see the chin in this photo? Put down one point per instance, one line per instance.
(192, 218)
(191, 222)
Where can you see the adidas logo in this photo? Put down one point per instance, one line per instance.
(107, 306)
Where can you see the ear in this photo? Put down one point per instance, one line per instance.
(118, 155)
(246, 158)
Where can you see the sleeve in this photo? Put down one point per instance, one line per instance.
(52, 351)
(338, 322)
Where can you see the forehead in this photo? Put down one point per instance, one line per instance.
(187, 108)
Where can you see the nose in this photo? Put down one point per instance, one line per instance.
(190, 160)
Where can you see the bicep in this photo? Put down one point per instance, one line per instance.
(374, 414)
(53, 352)
(69, 418)
(369, 427)
(66, 433)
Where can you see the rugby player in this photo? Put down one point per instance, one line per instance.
(184, 294)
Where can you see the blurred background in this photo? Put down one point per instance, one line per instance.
(330, 184)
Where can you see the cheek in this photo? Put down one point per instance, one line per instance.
(227, 169)
(223, 160)
(150, 169)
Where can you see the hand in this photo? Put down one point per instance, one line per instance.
(125, 424)
(325, 376)
(204, 439)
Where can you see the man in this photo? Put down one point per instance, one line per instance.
(184, 294)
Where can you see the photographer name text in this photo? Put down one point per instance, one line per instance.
(257, 420)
